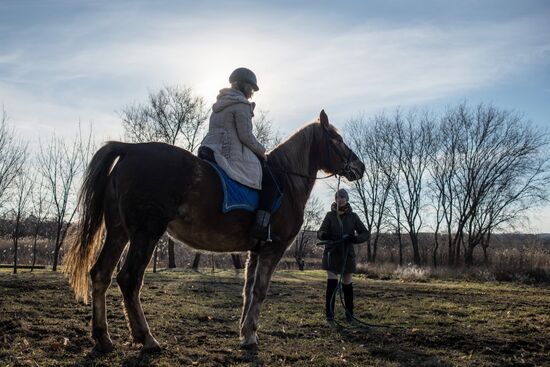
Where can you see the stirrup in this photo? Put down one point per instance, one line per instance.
(258, 232)
(269, 233)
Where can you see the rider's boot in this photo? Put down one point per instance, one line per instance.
(260, 228)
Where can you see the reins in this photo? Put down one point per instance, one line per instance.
(290, 173)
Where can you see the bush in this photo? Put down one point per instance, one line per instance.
(412, 273)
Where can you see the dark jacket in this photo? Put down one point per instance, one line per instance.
(355, 232)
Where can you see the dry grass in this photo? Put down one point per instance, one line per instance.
(528, 263)
(195, 317)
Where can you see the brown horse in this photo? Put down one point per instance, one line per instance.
(136, 192)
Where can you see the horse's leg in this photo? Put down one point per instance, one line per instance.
(266, 263)
(101, 274)
(130, 280)
(248, 282)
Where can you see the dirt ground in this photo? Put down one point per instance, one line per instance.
(195, 318)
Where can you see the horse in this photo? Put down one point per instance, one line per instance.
(136, 192)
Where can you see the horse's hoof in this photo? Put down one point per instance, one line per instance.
(250, 343)
(151, 346)
(104, 347)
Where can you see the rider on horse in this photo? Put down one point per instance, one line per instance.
(231, 144)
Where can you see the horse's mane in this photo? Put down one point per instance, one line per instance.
(295, 154)
(300, 138)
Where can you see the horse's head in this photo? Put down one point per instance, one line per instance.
(336, 156)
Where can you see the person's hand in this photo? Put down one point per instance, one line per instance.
(335, 237)
(264, 157)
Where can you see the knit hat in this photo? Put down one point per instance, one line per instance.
(343, 194)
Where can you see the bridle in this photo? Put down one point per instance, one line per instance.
(346, 167)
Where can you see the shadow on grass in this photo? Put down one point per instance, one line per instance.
(96, 359)
(390, 343)
(142, 359)
(252, 357)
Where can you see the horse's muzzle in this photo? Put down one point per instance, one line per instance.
(354, 171)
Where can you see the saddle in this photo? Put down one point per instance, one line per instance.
(236, 196)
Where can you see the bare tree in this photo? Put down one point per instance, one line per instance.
(61, 163)
(411, 144)
(443, 168)
(489, 168)
(312, 219)
(506, 171)
(397, 229)
(40, 208)
(264, 131)
(22, 190)
(12, 156)
(173, 115)
(369, 141)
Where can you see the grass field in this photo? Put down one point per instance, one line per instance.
(195, 318)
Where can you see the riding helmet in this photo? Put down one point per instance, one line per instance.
(244, 75)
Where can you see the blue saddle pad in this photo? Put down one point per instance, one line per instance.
(238, 196)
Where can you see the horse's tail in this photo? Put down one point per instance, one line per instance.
(89, 234)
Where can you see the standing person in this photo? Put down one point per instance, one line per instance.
(341, 223)
(231, 144)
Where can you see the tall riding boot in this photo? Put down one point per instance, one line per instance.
(260, 227)
(348, 300)
(330, 296)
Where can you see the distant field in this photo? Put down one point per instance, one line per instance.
(195, 318)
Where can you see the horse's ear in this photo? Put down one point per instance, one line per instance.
(323, 119)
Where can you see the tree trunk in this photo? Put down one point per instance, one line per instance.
(369, 253)
(171, 254)
(400, 241)
(414, 243)
(457, 254)
(196, 261)
(375, 248)
(299, 249)
(451, 255)
(436, 246)
(33, 254)
(469, 255)
(35, 239)
(55, 257)
(57, 247)
(485, 246)
(15, 254)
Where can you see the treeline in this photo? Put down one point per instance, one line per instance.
(462, 175)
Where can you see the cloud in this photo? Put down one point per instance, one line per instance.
(105, 60)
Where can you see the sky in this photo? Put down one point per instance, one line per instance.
(65, 62)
